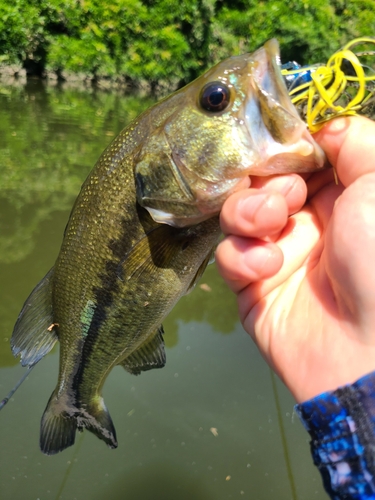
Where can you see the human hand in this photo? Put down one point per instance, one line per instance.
(304, 273)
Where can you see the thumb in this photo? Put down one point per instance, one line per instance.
(350, 237)
(349, 143)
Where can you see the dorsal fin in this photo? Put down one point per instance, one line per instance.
(149, 355)
(34, 333)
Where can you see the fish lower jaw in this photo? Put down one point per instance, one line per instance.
(303, 147)
(210, 201)
(302, 156)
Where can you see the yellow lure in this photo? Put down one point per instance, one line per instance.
(335, 89)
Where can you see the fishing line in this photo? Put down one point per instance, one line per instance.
(7, 398)
(71, 463)
(344, 86)
(284, 440)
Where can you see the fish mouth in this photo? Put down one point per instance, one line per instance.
(279, 134)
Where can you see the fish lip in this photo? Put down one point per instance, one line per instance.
(279, 132)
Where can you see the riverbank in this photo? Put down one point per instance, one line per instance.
(17, 76)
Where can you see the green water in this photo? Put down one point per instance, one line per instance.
(212, 425)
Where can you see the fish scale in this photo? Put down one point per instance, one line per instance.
(144, 227)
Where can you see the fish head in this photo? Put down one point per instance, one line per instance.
(234, 121)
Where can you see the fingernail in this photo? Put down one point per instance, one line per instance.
(249, 206)
(338, 124)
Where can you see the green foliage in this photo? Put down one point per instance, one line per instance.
(170, 40)
(308, 31)
(87, 55)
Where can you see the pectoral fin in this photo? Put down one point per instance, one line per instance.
(34, 333)
(157, 249)
(150, 355)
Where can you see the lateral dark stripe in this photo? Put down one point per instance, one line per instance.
(349, 399)
(104, 298)
(106, 294)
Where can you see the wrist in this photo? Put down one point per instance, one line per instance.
(317, 369)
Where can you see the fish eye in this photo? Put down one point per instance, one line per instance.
(214, 96)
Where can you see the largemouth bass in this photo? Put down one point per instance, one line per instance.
(144, 227)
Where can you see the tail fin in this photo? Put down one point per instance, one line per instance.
(60, 422)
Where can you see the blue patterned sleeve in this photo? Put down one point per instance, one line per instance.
(342, 429)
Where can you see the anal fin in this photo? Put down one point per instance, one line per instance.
(34, 335)
(151, 354)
